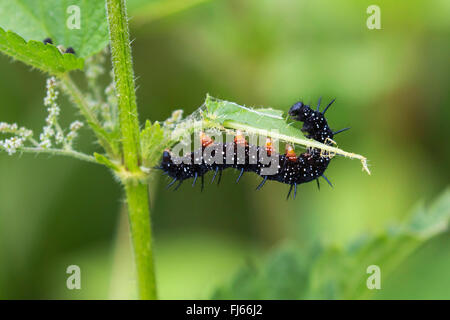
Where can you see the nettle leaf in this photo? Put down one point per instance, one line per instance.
(38, 55)
(152, 143)
(80, 24)
(331, 272)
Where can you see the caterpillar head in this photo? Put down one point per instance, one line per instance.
(166, 156)
(300, 111)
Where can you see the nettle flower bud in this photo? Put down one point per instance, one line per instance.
(52, 93)
(45, 144)
(74, 127)
(12, 144)
(59, 137)
(7, 128)
(45, 137)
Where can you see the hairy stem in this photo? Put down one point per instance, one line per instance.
(60, 152)
(78, 99)
(136, 190)
(140, 226)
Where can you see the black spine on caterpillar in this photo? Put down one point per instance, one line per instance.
(292, 170)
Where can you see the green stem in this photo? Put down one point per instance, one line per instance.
(136, 189)
(60, 152)
(140, 226)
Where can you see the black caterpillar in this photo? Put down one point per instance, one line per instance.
(292, 170)
(50, 41)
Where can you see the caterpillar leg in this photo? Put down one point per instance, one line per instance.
(170, 184)
(215, 174)
(240, 175)
(327, 154)
(326, 179)
(195, 179)
(318, 184)
(220, 177)
(179, 184)
(293, 186)
(262, 183)
(330, 142)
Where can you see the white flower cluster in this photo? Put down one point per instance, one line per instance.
(6, 127)
(52, 130)
(52, 133)
(52, 118)
(16, 142)
(14, 129)
(74, 127)
(12, 144)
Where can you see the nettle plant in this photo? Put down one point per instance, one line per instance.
(79, 37)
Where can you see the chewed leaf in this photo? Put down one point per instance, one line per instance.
(230, 114)
(267, 122)
(37, 54)
(79, 24)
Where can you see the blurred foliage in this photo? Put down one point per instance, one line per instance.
(323, 272)
(145, 11)
(391, 87)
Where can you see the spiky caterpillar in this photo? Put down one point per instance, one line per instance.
(292, 170)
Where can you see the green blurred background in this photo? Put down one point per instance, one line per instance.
(391, 87)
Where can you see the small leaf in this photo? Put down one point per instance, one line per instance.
(80, 24)
(109, 140)
(38, 55)
(106, 162)
(152, 143)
